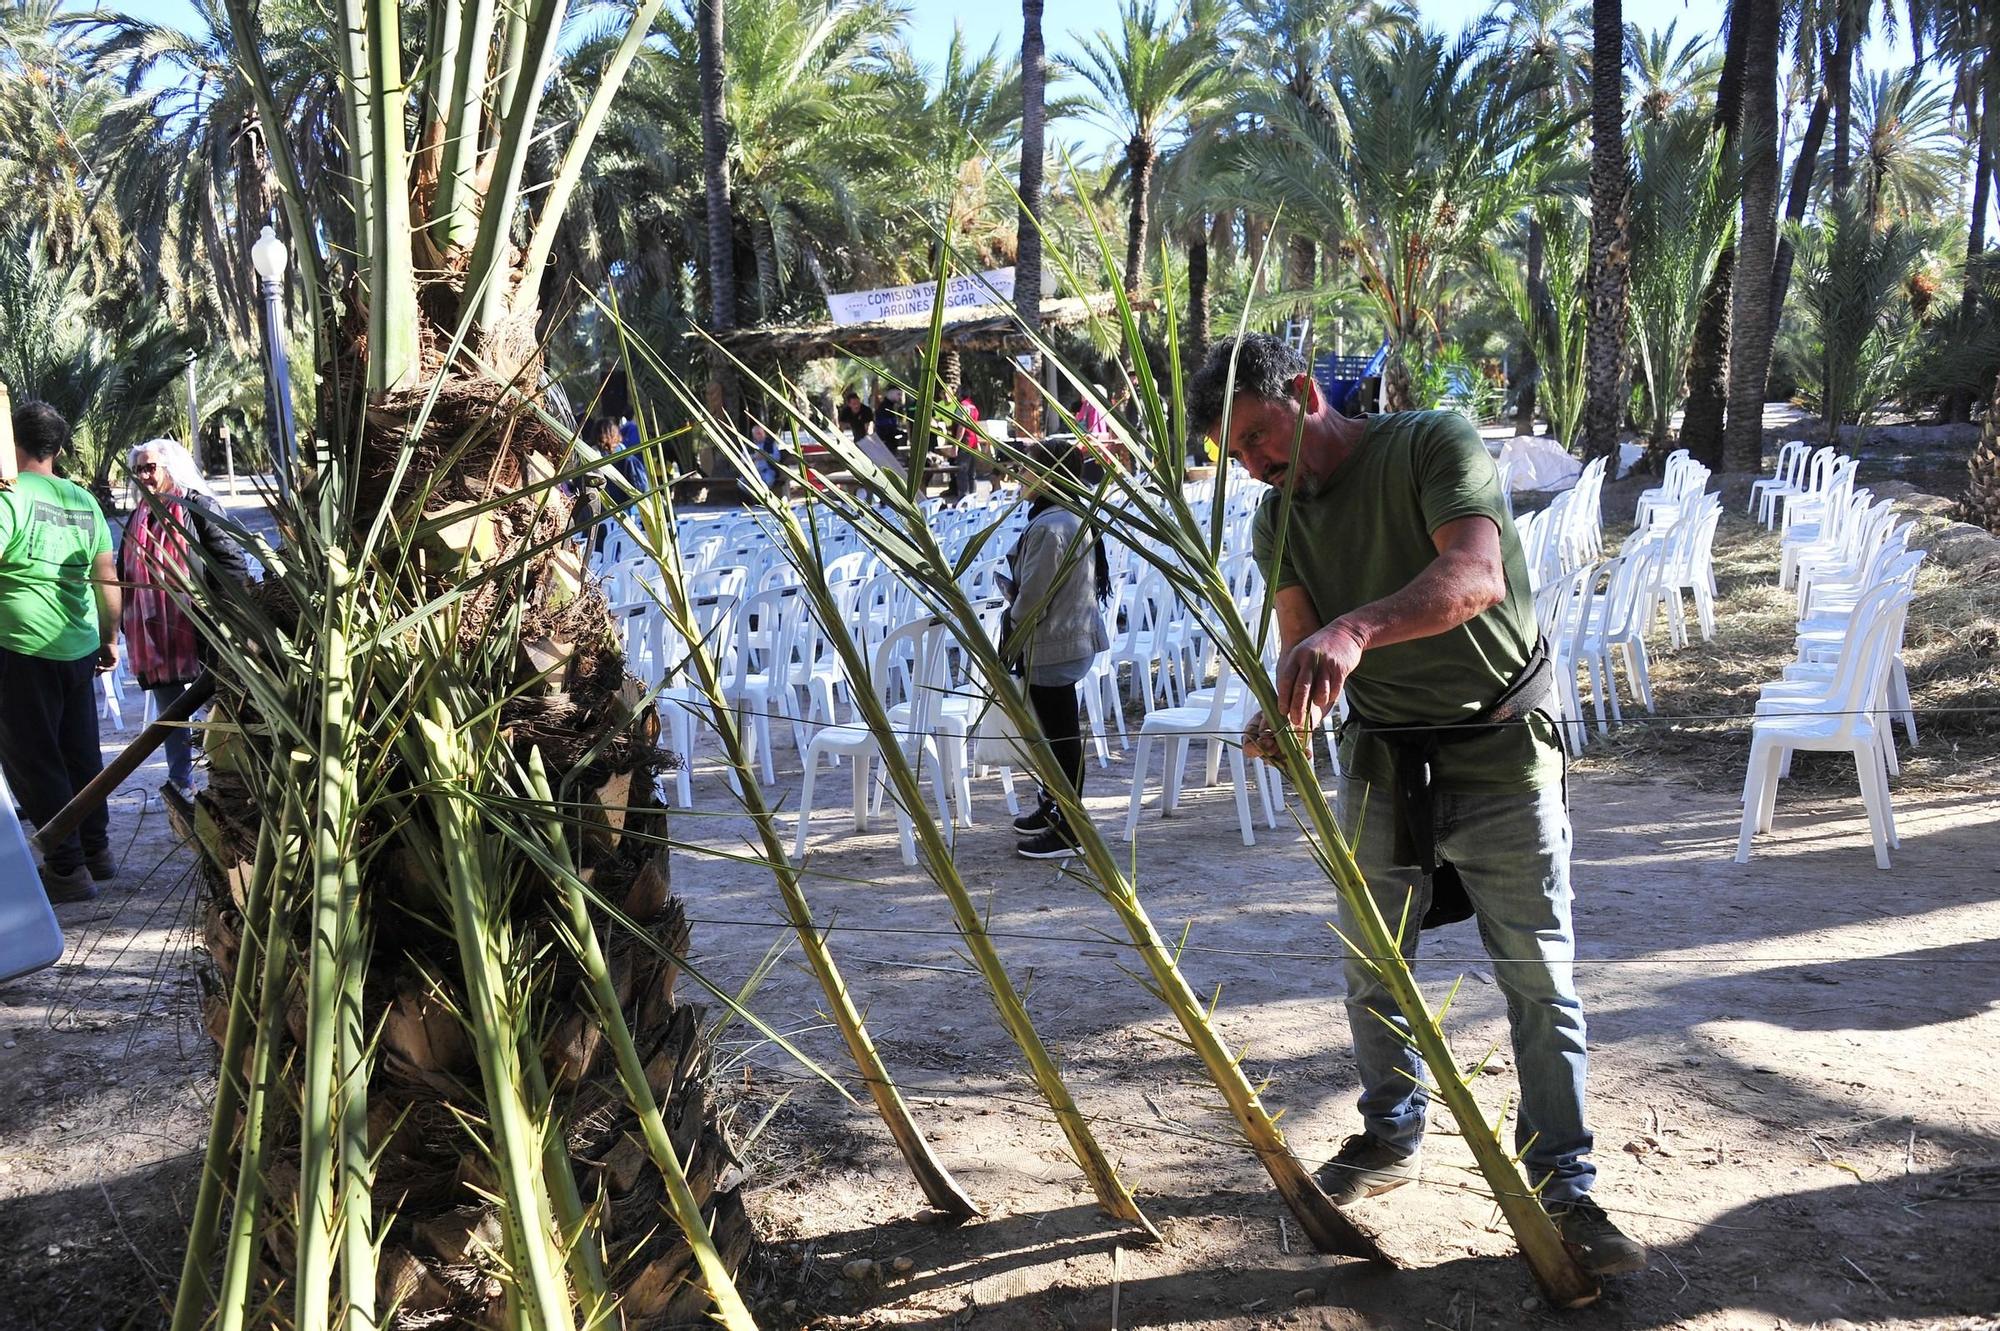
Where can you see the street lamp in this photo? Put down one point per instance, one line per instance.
(269, 256)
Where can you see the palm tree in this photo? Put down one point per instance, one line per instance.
(1708, 360)
(1664, 77)
(1854, 299)
(1751, 326)
(1969, 34)
(1542, 40)
(1908, 160)
(1681, 205)
(435, 780)
(1149, 78)
(1610, 245)
(1438, 150)
(1028, 225)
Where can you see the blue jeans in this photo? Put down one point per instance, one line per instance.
(180, 740)
(1512, 852)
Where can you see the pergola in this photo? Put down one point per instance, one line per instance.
(981, 328)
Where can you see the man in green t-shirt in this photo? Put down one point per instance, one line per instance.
(1400, 584)
(59, 604)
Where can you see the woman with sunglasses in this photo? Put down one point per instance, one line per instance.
(173, 540)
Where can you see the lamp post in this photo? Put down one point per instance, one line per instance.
(269, 257)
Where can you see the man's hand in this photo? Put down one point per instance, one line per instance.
(107, 658)
(1314, 671)
(1259, 740)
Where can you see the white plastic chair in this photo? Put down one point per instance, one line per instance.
(1612, 625)
(917, 650)
(1219, 718)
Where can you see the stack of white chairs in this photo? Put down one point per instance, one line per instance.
(1610, 629)
(1830, 515)
(1836, 705)
(1681, 477)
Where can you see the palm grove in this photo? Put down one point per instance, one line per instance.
(436, 857)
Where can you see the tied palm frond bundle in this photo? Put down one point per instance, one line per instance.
(460, 1081)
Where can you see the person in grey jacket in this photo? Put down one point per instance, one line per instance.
(1060, 580)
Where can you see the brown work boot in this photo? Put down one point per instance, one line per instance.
(65, 886)
(1364, 1167)
(102, 864)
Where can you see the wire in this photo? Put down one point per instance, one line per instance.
(1338, 953)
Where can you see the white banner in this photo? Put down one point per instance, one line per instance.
(968, 291)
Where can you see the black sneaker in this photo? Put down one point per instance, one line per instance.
(1601, 1247)
(66, 886)
(102, 864)
(1038, 819)
(1051, 843)
(1366, 1166)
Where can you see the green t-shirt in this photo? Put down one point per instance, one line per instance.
(51, 531)
(1367, 535)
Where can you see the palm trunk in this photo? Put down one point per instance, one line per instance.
(1708, 357)
(1256, 234)
(1840, 90)
(1139, 162)
(1538, 302)
(1756, 250)
(1197, 312)
(1610, 247)
(1797, 201)
(1028, 250)
(715, 186)
(1301, 264)
(1222, 240)
(1958, 407)
(1982, 491)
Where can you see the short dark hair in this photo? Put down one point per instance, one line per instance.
(1265, 367)
(39, 430)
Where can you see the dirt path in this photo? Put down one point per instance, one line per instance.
(1791, 1086)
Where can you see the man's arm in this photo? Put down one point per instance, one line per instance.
(1466, 579)
(110, 604)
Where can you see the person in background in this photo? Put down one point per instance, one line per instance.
(855, 416)
(892, 419)
(766, 454)
(1060, 579)
(157, 563)
(964, 479)
(59, 607)
(1091, 418)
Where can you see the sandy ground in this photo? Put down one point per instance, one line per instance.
(1791, 1081)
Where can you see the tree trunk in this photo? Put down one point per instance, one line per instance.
(1756, 249)
(1610, 246)
(1301, 263)
(1538, 303)
(1196, 345)
(1708, 367)
(715, 185)
(1222, 240)
(1139, 162)
(1840, 90)
(1256, 232)
(1982, 492)
(1028, 248)
(1708, 357)
(1958, 408)
(1796, 202)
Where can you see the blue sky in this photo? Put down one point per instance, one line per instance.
(931, 23)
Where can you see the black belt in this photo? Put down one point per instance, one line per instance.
(1414, 748)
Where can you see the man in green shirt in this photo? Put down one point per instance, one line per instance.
(59, 604)
(1399, 583)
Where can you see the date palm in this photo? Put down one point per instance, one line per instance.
(1665, 76)
(1148, 78)
(1907, 159)
(456, 1083)
(1429, 153)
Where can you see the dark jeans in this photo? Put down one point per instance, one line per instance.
(1056, 710)
(48, 745)
(180, 740)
